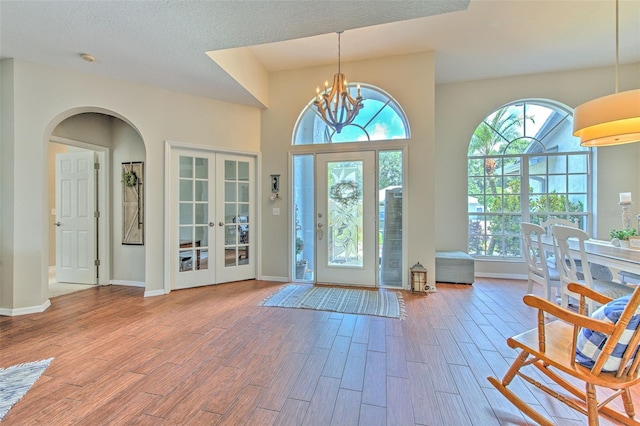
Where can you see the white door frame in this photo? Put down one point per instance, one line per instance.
(169, 146)
(377, 146)
(104, 227)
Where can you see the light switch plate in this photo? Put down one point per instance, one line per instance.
(276, 211)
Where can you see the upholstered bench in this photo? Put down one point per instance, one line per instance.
(454, 267)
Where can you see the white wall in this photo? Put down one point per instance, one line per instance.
(407, 78)
(461, 107)
(6, 159)
(127, 261)
(38, 98)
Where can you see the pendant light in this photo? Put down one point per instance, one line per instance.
(612, 119)
(337, 107)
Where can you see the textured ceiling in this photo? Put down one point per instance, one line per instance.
(163, 43)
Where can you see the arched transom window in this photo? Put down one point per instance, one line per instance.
(524, 165)
(381, 118)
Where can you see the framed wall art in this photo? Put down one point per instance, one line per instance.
(133, 203)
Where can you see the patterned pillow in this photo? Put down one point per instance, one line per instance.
(590, 343)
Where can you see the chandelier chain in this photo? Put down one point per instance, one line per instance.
(339, 32)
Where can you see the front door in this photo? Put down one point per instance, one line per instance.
(214, 210)
(75, 218)
(346, 218)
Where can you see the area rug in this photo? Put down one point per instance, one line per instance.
(16, 380)
(345, 300)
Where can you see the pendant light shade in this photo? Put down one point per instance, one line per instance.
(609, 120)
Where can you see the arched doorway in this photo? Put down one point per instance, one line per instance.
(112, 142)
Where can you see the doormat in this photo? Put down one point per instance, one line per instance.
(344, 300)
(16, 380)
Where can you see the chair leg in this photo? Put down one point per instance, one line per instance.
(628, 403)
(592, 404)
(512, 397)
(513, 370)
(520, 404)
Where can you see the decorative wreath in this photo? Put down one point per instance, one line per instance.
(129, 178)
(346, 193)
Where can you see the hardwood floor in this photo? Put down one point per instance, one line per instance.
(212, 356)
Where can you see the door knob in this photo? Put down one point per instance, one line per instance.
(212, 224)
(220, 223)
(58, 223)
(320, 225)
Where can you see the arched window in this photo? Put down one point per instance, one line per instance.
(524, 165)
(381, 118)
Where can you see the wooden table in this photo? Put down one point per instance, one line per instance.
(603, 253)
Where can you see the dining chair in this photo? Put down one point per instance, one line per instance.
(570, 272)
(534, 254)
(547, 224)
(578, 357)
(598, 272)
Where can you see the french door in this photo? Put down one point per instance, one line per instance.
(346, 218)
(213, 218)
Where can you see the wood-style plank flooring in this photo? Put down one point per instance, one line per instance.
(212, 356)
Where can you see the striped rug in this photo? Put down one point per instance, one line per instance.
(16, 380)
(345, 300)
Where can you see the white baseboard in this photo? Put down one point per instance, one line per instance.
(278, 279)
(25, 311)
(128, 283)
(501, 276)
(152, 293)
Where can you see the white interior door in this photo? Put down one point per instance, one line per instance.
(214, 197)
(194, 193)
(75, 219)
(235, 189)
(346, 218)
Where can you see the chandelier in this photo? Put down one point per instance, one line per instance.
(612, 119)
(337, 107)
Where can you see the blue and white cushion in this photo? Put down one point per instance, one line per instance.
(590, 343)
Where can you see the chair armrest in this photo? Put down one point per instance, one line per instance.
(567, 315)
(587, 292)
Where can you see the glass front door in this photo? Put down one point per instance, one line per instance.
(346, 218)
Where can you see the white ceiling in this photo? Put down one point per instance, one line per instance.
(163, 43)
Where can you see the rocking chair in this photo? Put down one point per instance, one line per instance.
(551, 348)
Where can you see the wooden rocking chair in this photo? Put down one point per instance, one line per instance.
(551, 348)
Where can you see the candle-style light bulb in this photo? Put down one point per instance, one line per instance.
(625, 197)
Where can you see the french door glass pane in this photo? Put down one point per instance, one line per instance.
(202, 168)
(193, 214)
(186, 167)
(236, 208)
(202, 188)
